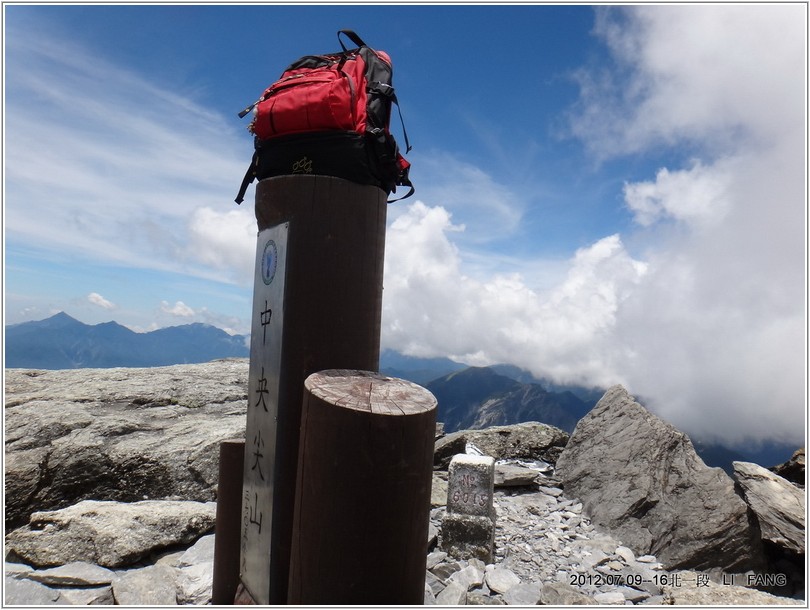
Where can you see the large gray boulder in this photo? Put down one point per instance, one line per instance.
(640, 478)
(778, 504)
(528, 441)
(121, 434)
(793, 469)
(109, 534)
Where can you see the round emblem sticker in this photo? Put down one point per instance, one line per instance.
(269, 262)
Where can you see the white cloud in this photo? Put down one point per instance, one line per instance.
(98, 300)
(99, 159)
(430, 307)
(714, 335)
(709, 327)
(696, 195)
(179, 309)
(700, 73)
(223, 240)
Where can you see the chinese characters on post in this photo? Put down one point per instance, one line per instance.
(262, 412)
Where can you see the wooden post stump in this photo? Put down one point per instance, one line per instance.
(228, 525)
(362, 505)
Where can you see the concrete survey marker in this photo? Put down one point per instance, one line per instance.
(471, 480)
(468, 526)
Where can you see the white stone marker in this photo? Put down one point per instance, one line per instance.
(468, 527)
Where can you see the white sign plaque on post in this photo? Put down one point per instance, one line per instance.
(262, 411)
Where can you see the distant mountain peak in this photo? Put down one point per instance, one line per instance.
(62, 318)
(62, 342)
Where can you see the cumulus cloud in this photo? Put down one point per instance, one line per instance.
(695, 195)
(431, 307)
(705, 74)
(98, 300)
(706, 320)
(223, 241)
(179, 309)
(715, 333)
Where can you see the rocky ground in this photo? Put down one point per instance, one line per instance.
(546, 552)
(127, 538)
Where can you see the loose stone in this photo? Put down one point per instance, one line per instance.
(501, 580)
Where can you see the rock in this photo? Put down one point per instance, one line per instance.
(482, 598)
(194, 584)
(454, 594)
(530, 440)
(550, 491)
(633, 595)
(778, 504)
(501, 580)
(613, 598)
(201, 551)
(433, 535)
(24, 592)
(17, 570)
(793, 469)
(439, 429)
(438, 491)
(123, 434)
(153, 586)
(562, 594)
(430, 599)
(684, 589)
(626, 554)
(435, 557)
(524, 594)
(641, 479)
(468, 577)
(435, 583)
(446, 569)
(509, 475)
(91, 531)
(195, 573)
(77, 573)
(87, 596)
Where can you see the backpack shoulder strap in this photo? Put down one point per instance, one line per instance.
(250, 176)
(351, 35)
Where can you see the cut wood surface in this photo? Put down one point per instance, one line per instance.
(370, 392)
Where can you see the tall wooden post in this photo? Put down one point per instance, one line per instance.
(362, 507)
(328, 241)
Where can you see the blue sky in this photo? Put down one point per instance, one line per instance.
(604, 194)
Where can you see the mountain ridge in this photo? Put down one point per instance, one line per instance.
(497, 395)
(62, 342)
(478, 397)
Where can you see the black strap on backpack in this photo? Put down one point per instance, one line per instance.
(381, 87)
(351, 35)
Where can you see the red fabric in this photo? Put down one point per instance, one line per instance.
(314, 99)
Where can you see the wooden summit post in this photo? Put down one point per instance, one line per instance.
(362, 506)
(317, 305)
(225, 579)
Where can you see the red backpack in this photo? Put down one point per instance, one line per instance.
(329, 115)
